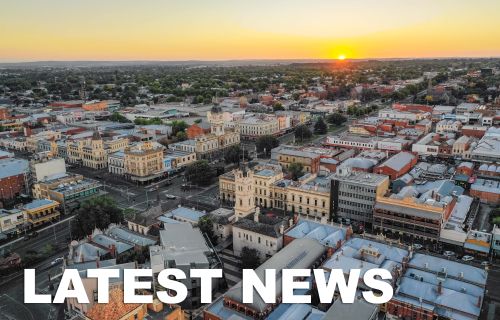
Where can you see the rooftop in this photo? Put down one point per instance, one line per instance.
(325, 234)
(299, 254)
(12, 167)
(38, 203)
(398, 161)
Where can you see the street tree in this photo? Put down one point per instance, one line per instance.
(200, 172)
(320, 126)
(266, 143)
(302, 133)
(336, 119)
(277, 106)
(249, 258)
(98, 212)
(296, 170)
(206, 226)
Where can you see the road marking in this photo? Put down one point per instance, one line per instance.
(21, 304)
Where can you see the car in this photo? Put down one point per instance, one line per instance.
(448, 253)
(57, 261)
(485, 263)
(417, 246)
(467, 258)
(170, 196)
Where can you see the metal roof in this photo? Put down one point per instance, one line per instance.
(299, 254)
(12, 167)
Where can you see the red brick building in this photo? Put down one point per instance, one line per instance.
(397, 165)
(466, 168)
(197, 129)
(474, 131)
(12, 177)
(4, 113)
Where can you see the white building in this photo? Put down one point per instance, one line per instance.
(116, 163)
(444, 126)
(259, 232)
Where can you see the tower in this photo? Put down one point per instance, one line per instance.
(244, 195)
(217, 121)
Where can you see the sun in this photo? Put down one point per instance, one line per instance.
(341, 57)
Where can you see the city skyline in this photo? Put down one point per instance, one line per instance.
(228, 30)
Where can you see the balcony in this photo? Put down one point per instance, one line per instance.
(37, 219)
(378, 214)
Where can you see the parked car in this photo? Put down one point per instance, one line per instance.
(57, 261)
(485, 263)
(467, 258)
(170, 196)
(449, 253)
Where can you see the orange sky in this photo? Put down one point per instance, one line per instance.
(257, 29)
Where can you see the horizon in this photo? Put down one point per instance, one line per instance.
(222, 30)
(289, 60)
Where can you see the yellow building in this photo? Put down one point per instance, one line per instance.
(87, 152)
(263, 177)
(41, 211)
(219, 137)
(144, 162)
(309, 197)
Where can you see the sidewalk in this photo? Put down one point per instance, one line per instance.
(39, 230)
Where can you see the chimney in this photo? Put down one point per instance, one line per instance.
(348, 233)
(479, 301)
(256, 215)
(282, 228)
(440, 288)
(329, 252)
(324, 220)
(113, 251)
(97, 264)
(82, 257)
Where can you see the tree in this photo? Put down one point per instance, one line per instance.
(320, 126)
(178, 125)
(302, 133)
(117, 117)
(98, 212)
(249, 258)
(206, 226)
(181, 136)
(278, 107)
(200, 172)
(266, 143)
(296, 170)
(336, 119)
(234, 154)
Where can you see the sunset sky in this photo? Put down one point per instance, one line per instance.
(246, 29)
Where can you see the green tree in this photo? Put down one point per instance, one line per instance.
(200, 172)
(232, 155)
(320, 126)
(266, 143)
(302, 133)
(336, 119)
(98, 212)
(277, 106)
(296, 170)
(117, 117)
(178, 125)
(206, 226)
(181, 136)
(249, 258)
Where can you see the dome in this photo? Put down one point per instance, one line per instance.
(216, 109)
